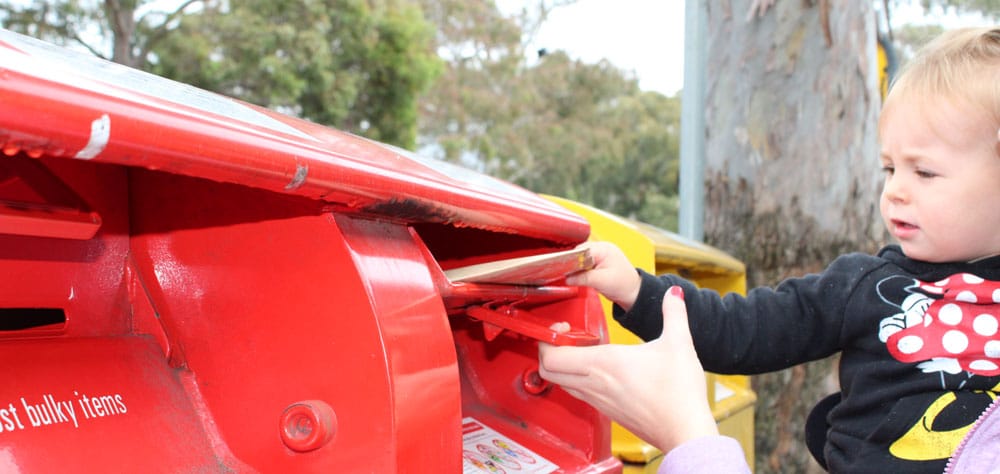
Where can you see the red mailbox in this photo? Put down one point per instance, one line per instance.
(191, 283)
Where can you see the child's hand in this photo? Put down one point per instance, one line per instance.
(612, 276)
(655, 390)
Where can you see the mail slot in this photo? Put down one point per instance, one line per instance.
(195, 284)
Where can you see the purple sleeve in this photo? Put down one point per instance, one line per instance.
(978, 452)
(708, 454)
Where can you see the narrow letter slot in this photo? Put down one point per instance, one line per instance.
(31, 321)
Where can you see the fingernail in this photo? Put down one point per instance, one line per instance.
(676, 291)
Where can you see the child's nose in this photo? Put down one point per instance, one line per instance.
(895, 189)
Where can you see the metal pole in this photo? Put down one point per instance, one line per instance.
(692, 172)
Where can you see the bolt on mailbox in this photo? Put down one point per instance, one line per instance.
(193, 283)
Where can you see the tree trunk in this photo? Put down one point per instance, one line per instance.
(121, 17)
(792, 175)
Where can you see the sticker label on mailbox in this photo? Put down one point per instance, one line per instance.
(486, 450)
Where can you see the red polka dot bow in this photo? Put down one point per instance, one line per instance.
(962, 324)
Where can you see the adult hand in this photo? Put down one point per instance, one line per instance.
(655, 390)
(612, 276)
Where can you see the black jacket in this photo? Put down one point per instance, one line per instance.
(902, 410)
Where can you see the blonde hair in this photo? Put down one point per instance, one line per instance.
(962, 63)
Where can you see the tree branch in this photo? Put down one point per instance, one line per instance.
(161, 31)
(90, 48)
(169, 17)
(530, 27)
(114, 8)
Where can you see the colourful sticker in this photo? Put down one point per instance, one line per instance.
(487, 451)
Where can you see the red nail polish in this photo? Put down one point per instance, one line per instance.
(676, 291)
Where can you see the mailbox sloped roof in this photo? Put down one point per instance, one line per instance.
(674, 249)
(60, 103)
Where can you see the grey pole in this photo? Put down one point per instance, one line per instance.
(692, 171)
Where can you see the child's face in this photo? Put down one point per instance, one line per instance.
(941, 198)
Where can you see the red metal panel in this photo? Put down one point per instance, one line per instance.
(62, 104)
(83, 278)
(35, 203)
(268, 307)
(419, 350)
(97, 405)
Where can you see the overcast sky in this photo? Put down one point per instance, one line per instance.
(643, 36)
(647, 36)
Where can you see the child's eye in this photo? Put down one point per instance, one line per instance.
(926, 174)
(888, 170)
